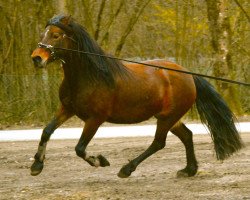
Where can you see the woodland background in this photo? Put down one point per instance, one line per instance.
(206, 36)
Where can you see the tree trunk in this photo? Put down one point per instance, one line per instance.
(177, 30)
(111, 21)
(242, 9)
(99, 19)
(221, 34)
(61, 6)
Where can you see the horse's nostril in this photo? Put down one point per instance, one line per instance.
(37, 59)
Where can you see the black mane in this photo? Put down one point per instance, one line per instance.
(97, 68)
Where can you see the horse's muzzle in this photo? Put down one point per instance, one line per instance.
(37, 60)
(40, 57)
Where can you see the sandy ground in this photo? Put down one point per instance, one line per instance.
(65, 176)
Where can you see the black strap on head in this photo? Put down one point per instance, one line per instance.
(57, 21)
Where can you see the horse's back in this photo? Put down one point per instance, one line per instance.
(182, 90)
(179, 83)
(152, 92)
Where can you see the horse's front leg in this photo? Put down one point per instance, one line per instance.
(59, 119)
(89, 130)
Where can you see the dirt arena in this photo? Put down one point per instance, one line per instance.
(65, 176)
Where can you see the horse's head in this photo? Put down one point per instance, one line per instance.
(57, 34)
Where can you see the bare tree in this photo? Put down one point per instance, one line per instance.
(111, 21)
(242, 9)
(221, 34)
(139, 8)
(61, 6)
(88, 16)
(99, 19)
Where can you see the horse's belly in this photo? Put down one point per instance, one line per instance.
(131, 120)
(126, 115)
(128, 120)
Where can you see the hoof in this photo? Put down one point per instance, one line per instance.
(36, 168)
(126, 171)
(103, 161)
(187, 172)
(182, 174)
(121, 174)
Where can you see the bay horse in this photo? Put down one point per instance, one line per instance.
(98, 89)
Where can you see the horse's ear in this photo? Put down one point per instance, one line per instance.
(66, 20)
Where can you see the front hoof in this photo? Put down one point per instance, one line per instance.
(36, 168)
(123, 174)
(125, 171)
(103, 161)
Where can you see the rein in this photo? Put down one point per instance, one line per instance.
(53, 50)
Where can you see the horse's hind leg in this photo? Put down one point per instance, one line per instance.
(186, 136)
(61, 117)
(163, 126)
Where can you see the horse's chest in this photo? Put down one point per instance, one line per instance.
(89, 103)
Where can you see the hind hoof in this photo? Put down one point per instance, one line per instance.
(36, 168)
(182, 174)
(187, 172)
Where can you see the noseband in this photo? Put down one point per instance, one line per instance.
(50, 48)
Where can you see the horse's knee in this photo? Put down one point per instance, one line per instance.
(45, 137)
(48, 130)
(80, 152)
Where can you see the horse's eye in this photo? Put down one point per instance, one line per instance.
(56, 35)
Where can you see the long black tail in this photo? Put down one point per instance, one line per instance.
(215, 113)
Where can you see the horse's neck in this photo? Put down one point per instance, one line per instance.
(75, 77)
(71, 72)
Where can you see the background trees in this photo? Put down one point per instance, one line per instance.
(210, 36)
